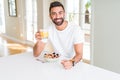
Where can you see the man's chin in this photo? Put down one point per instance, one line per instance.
(58, 24)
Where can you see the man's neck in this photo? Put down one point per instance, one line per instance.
(62, 27)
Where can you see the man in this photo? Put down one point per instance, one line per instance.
(66, 38)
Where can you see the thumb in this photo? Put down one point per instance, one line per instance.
(63, 61)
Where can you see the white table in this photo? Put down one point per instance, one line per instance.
(25, 67)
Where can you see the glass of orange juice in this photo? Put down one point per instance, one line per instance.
(44, 34)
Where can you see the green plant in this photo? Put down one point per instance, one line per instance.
(87, 5)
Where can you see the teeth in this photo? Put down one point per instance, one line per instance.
(58, 20)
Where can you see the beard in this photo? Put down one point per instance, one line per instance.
(58, 21)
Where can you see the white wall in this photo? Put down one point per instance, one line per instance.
(12, 23)
(46, 20)
(40, 13)
(106, 34)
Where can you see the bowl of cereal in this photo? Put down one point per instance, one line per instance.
(51, 57)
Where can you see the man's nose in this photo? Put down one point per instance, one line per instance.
(57, 15)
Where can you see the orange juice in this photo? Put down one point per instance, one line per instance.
(43, 33)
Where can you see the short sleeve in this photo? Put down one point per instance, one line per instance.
(78, 35)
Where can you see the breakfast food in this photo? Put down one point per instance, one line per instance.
(51, 55)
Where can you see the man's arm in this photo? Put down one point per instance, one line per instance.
(79, 52)
(38, 47)
(78, 56)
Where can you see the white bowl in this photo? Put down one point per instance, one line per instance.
(51, 59)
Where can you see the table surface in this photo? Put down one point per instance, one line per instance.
(25, 67)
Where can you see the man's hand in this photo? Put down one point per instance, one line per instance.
(38, 36)
(67, 64)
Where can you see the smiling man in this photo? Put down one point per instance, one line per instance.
(66, 38)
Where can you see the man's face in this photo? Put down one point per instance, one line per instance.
(57, 15)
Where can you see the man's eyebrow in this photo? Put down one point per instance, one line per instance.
(59, 11)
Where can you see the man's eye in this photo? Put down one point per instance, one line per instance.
(53, 13)
(60, 12)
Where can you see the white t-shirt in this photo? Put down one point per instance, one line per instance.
(63, 41)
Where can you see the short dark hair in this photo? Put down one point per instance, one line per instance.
(55, 4)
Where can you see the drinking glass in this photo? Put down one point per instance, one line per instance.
(44, 35)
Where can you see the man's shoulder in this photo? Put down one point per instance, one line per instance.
(74, 25)
(51, 26)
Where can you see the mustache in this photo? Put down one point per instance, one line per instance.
(58, 18)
